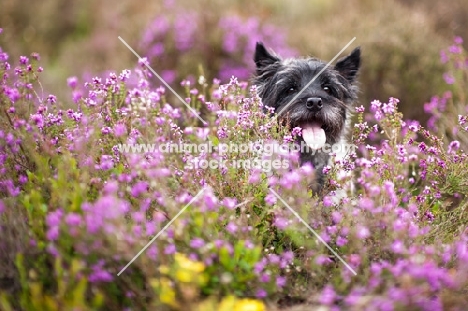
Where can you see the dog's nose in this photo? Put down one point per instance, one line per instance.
(314, 104)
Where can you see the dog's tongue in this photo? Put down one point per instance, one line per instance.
(314, 135)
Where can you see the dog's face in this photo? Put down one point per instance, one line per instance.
(321, 107)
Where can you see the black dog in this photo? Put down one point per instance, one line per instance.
(322, 109)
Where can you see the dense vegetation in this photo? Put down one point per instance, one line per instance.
(76, 207)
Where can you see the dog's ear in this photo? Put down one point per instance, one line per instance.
(348, 66)
(263, 58)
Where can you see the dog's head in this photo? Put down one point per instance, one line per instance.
(308, 94)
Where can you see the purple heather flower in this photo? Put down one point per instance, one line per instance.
(120, 129)
(13, 94)
(23, 179)
(202, 133)
(375, 105)
(307, 169)
(124, 75)
(449, 79)
(150, 228)
(332, 230)
(429, 216)
(76, 96)
(229, 203)
(138, 217)
(297, 131)
(388, 108)
(38, 120)
(274, 259)
(260, 266)
(280, 222)
(185, 83)
(106, 163)
(197, 243)
(261, 293)
(336, 216)
(327, 201)
(288, 139)
(462, 120)
(362, 232)
(254, 177)
(170, 249)
(142, 62)
(441, 163)
(222, 132)
(248, 244)
(231, 227)
(393, 101)
(139, 188)
(326, 169)
(360, 109)
(328, 295)
(73, 219)
(110, 187)
(24, 60)
(398, 247)
(378, 115)
(341, 241)
(157, 50)
(422, 147)
(280, 281)
(99, 275)
(52, 233)
(218, 243)
(54, 217)
(72, 82)
(106, 130)
(322, 260)
(265, 278)
(211, 201)
(453, 146)
(52, 99)
(4, 58)
(366, 203)
(455, 49)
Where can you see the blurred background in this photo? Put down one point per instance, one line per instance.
(401, 40)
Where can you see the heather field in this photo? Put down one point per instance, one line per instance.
(139, 170)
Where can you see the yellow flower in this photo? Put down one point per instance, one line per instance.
(227, 304)
(230, 303)
(164, 270)
(188, 264)
(188, 270)
(249, 305)
(167, 294)
(183, 275)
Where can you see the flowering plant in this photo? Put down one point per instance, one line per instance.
(76, 208)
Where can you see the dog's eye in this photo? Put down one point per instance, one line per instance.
(327, 89)
(292, 89)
